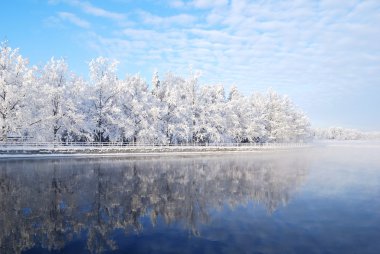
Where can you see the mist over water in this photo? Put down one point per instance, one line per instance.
(320, 200)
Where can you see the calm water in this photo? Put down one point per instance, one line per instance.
(317, 201)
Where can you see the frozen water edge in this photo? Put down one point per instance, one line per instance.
(46, 152)
(49, 150)
(120, 154)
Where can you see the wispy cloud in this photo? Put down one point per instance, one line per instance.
(175, 20)
(72, 18)
(91, 9)
(199, 4)
(88, 8)
(204, 4)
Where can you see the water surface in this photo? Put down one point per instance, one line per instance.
(322, 200)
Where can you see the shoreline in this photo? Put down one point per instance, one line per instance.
(75, 152)
(49, 151)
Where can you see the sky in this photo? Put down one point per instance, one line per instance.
(325, 54)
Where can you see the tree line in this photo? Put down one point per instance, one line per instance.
(340, 133)
(51, 103)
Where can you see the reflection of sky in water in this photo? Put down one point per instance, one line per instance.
(322, 201)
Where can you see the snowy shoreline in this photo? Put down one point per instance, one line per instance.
(51, 151)
(38, 152)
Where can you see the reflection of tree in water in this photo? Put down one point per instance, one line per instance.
(50, 202)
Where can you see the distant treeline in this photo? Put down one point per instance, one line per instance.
(339, 133)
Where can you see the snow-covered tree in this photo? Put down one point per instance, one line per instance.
(192, 88)
(174, 109)
(56, 103)
(280, 119)
(15, 81)
(237, 114)
(211, 121)
(276, 118)
(340, 133)
(156, 112)
(155, 83)
(256, 108)
(301, 128)
(136, 121)
(102, 114)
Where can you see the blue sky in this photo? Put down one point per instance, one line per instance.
(324, 54)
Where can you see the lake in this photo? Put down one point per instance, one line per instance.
(317, 200)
